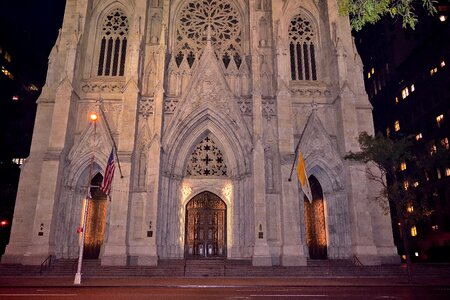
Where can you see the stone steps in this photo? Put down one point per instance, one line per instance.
(225, 268)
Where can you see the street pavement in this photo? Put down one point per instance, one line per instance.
(224, 288)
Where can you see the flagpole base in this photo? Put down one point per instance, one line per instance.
(77, 280)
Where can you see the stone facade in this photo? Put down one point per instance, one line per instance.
(249, 78)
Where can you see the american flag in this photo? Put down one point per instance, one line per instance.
(109, 174)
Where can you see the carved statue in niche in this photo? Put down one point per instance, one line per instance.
(263, 34)
(155, 3)
(142, 171)
(263, 5)
(155, 29)
(269, 168)
(173, 77)
(266, 81)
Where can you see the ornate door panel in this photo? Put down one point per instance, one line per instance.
(205, 226)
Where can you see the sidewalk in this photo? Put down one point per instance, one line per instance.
(218, 282)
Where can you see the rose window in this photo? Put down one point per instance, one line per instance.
(197, 17)
(207, 160)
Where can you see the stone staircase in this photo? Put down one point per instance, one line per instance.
(225, 268)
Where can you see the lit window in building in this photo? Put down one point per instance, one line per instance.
(372, 71)
(7, 73)
(396, 100)
(410, 208)
(403, 166)
(438, 173)
(433, 71)
(388, 131)
(414, 231)
(413, 88)
(445, 143)
(397, 126)
(15, 98)
(442, 64)
(434, 227)
(405, 92)
(440, 120)
(447, 172)
(18, 161)
(368, 75)
(416, 184)
(33, 88)
(433, 149)
(416, 254)
(7, 56)
(442, 18)
(405, 185)
(418, 136)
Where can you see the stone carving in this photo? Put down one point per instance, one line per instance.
(146, 106)
(102, 87)
(310, 92)
(207, 160)
(269, 108)
(246, 107)
(170, 105)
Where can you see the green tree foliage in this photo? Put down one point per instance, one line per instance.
(364, 12)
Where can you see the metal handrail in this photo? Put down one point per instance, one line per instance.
(356, 261)
(46, 263)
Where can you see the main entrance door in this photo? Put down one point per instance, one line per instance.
(205, 227)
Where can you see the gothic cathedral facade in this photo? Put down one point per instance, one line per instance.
(206, 101)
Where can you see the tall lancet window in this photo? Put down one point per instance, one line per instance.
(302, 48)
(113, 44)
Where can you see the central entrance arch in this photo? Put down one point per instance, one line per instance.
(205, 227)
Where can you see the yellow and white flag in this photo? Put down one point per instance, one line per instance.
(302, 177)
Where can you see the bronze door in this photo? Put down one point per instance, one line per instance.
(316, 237)
(95, 226)
(205, 226)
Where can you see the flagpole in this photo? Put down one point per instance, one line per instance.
(77, 280)
(112, 138)
(295, 159)
(314, 108)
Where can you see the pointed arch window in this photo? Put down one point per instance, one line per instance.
(113, 44)
(302, 48)
(207, 160)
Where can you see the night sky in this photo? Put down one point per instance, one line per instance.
(28, 30)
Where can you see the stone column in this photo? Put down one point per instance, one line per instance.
(261, 254)
(115, 250)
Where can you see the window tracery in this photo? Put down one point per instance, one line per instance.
(113, 44)
(207, 160)
(302, 49)
(223, 19)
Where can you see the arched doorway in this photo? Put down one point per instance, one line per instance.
(205, 227)
(316, 236)
(95, 225)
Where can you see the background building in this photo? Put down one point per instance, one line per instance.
(407, 79)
